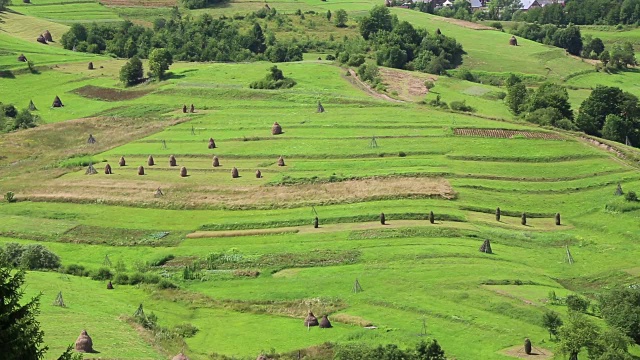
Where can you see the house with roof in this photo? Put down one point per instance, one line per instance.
(529, 4)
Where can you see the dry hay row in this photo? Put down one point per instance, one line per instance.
(505, 134)
(310, 137)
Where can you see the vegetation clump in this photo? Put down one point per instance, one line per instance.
(274, 80)
(31, 257)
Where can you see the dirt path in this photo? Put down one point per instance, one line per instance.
(364, 86)
(463, 23)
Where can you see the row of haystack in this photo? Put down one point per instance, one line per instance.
(312, 320)
(191, 110)
(523, 217)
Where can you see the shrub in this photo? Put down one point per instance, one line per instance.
(461, 106)
(136, 278)
(161, 261)
(274, 80)
(356, 60)
(151, 279)
(102, 274)
(31, 257)
(166, 284)
(496, 25)
(429, 84)
(75, 270)
(10, 197)
(402, 154)
(631, 196)
(330, 57)
(122, 279)
(577, 303)
(186, 330)
(465, 75)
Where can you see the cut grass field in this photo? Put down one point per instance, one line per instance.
(277, 266)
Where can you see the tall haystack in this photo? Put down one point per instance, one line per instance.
(184, 109)
(212, 144)
(320, 108)
(234, 173)
(258, 174)
(57, 102)
(216, 162)
(557, 219)
(122, 162)
(91, 170)
(193, 109)
(619, 191)
(280, 161)
(22, 58)
(183, 172)
(140, 170)
(527, 346)
(47, 36)
(432, 218)
(150, 161)
(180, 356)
(316, 223)
(32, 106)
(172, 161)
(276, 129)
(382, 218)
(325, 323)
(311, 320)
(486, 247)
(513, 41)
(109, 285)
(523, 220)
(84, 343)
(498, 214)
(107, 169)
(41, 39)
(90, 67)
(438, 32)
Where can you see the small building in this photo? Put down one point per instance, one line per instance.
(530, 4)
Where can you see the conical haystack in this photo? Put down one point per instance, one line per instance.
(32, 106)
(184, 109)
(172, 161)
(122, 162)
(91, 170)
(557, 219)
(57, 102)
(276, 129)
(140, 170)
(107, 169)
(325, 323)
(281, 161)
(84, 343)
(193, 109)
(438, 32)
(216, 162)
(486, 247)
(527, 346)
(158, 193)
(183, 171)
(619, 191)
(234, 173)
(150, 161)
(320, 108)
(212, 144)
(311, 320)
(41, 40)
(432, 218)
(523, 219)
(498, 214)
(316, 222)
(47, 36)
(513, 41)
(109, 285)
(180, 356)
(90, 67)
(258, 174)
(22, 58)
(382, 218)
(91, 139)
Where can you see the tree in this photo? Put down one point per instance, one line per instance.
(550, 95)
(25, 120)
(378, 19)
(616, 128)
(429, 351)
(4, 4)
(503, 9)
(159, 61)
(611, 344)
(341, 18)
(576, 334)
(131, 72)
(20, 334)
(328, 15)
(257, 42)
(577, 303)
(77, 33)
(604, 101)
(516, 97)
(552, 322)
(620, 308)
(569, 39)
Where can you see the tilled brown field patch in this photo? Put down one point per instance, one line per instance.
(506, 134)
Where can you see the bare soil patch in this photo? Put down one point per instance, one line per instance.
(506, 134)
(537, 353)
(354, 79)
(408, 86)
(463, 23)
(108, 94)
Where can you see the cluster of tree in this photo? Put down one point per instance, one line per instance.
(585, 12)
(30, 257)
(199, 4)
(11, 119)
(399, 45)
(610, 113)
(424, 350)
(548, 105)
(186, 39)
(274, 80)
(568, 38)
(4, 4)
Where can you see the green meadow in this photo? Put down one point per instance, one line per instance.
(365, 155)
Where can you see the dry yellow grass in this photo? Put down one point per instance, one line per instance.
(218, 234)
(351, 320)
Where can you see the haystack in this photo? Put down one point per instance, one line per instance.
(311, 320)
(57, 102)
(107, 169)
(258, 174)
(280, 161)
(184, 109)
(234, 173)
(183, 172)
(513, 41)
(216, 162)
(382, 218)
(41, 40)
(172, 161)
(486, 247)
(432, 218)
(619, 191)
(325, 323)
(180, 356)
(527, 346)
(262, 357)
(122, 162)
(557, 219)
(47, 36)
(84, 343)
(320, 108)
(523, 220)
(193, 109)
(140, 170)
(32, 106)
(91, 170)
(90, 67)
(438, 32)
(150, 161)
(316, 223)
(22, 58)
(26, 1)
(212, 144)
(91, 139)
(109, 285)
(497, 214)
(158, 193)
(276, 129)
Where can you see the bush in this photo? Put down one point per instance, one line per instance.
(136, 278)
(31, 257)
(330, 57)
(429, 84)
(151, 279)
(631, 196)
(102, 274)
(577, 303)
(356, 60)
(10, 197)
(122, 279)
(161, 261)
(274, 80)
(461, 106)
(186, 330)
(402, 154)
(496, 25)
(166, 284)
(75, 270)
(465, 75)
